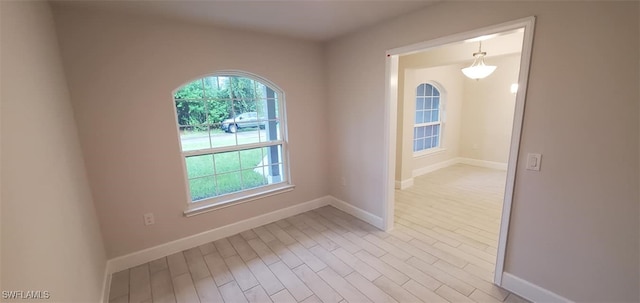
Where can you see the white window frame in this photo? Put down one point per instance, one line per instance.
(439, 148)
(243, 196)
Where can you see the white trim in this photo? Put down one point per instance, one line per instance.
(106, 284)
(404, 184)
(429, 152)
(162, 250)
(468, 161)
(224, 149)
(426, 45)
(530, 291)
(264, 192)
(391, 107)
(390, 124)
(427, 123)
(356, 212)
(516, 133)
(433, 167)
(483, 163)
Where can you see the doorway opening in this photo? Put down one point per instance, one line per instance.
(436, 118)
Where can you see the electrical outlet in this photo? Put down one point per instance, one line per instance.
(344, 181)
(149, 219)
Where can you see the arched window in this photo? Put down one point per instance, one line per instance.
(232, 136)
(427, 129)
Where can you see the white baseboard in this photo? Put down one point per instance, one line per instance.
(357, 212)
(483, 163)
(152, 253)
(404, 184)
(106, 284)
(530, 291)
(431, 168)
(459, 160)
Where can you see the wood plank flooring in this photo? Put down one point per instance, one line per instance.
(442, 249)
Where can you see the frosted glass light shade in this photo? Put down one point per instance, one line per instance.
(478, 71)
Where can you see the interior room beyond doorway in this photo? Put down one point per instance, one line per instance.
(454, 137)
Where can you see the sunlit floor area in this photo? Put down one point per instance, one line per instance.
(442, 250)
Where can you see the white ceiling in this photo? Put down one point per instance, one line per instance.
(318, 20)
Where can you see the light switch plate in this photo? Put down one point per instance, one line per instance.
(534, 161)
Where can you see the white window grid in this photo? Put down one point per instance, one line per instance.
(213, 150)
(429, 94)
(239, 172)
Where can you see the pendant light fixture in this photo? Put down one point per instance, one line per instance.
(478, 69)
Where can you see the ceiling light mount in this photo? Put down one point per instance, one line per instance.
(478, 70)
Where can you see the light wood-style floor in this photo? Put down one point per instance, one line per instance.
(442, 250)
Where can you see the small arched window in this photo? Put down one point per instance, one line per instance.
(232, 136)
(427, 128)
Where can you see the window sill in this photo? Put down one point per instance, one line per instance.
(193, 210)
(429, 152)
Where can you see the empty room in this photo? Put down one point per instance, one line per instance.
(319, 151)
(452, 152)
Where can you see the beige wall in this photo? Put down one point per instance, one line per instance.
(1, 97)
(574, 225)
(487, 112)
(121, 73)
(50, 235)
(449, 79)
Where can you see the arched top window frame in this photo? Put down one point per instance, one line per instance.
(233, 139)
(428, 118)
